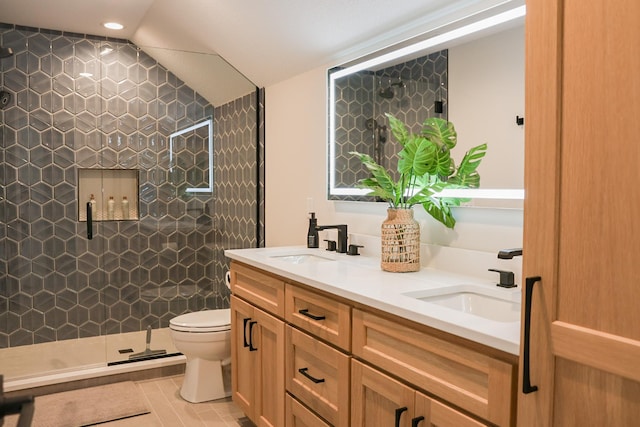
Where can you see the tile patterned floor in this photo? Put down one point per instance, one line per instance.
(168, 409)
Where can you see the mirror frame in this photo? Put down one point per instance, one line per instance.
(410, 51)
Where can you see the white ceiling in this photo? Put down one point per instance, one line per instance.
(267, 41)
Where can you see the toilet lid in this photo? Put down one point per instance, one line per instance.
(203, 321)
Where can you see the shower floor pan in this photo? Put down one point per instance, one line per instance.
(70, 360)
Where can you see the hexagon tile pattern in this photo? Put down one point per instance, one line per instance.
(407, 90)
(91, 102)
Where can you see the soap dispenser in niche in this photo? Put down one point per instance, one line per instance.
(94, 207)
(125, 207)
(111, 206)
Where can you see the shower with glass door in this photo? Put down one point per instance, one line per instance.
(110, 226)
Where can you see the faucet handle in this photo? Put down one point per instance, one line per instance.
(331, 245)
(506, 278)
(353, 249)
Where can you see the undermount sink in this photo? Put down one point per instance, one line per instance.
(475, 300)
(300, 258)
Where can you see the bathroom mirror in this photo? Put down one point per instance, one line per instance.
(191, 157)
(470, 72)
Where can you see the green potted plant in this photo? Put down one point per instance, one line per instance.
(425, 168)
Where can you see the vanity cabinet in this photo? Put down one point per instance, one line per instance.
(257, 346)
(335, 362)
(377, 400)
(467, 378)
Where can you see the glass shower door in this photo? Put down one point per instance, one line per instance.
(50, 297)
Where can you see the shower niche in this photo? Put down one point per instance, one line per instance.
(113, 194)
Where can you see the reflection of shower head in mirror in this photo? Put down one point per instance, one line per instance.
(388, 92)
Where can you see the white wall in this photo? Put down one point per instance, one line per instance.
(296, 167)
(486, 92)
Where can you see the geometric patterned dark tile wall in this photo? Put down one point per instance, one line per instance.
(406, 90)
(89, 102)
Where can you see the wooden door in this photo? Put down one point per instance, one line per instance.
(243, 361)
(582, 211)
(378, 400)
(269, 345)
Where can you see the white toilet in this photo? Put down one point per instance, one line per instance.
(204, 337)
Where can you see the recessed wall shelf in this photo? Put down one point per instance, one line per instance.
(121, 184)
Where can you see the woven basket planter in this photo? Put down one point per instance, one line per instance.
(400, 242)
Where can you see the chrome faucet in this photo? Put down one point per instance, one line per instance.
(341, 246)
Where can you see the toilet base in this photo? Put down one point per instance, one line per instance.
(203, 381)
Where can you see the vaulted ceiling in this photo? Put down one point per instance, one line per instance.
(266, 41)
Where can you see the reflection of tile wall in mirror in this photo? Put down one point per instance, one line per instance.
(407, 90)
(483, 94)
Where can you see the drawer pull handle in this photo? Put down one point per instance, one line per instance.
(251, 325)
(399, 412)
(416, 421)
(526, 374)
(244, 332)
(303, 371)
(305, 312)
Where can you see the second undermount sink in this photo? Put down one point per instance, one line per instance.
(301, 258)
(479, 301)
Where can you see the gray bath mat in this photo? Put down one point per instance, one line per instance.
(86, 407)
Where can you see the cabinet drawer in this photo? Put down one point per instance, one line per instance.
(471, 380)
(321, 316)
(318, 375)
(299, 416)
(443, 416)
(262, 290)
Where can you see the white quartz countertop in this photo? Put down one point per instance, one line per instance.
(360, 279)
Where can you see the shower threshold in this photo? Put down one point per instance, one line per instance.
(60, 362)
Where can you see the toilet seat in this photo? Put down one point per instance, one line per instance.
(203, 321)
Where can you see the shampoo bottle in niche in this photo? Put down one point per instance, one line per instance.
(125, 207)
(111, 207)
(312, 234)
(94, 207)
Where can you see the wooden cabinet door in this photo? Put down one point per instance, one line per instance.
(243, 361)
(378, 400)
(582, 211)
(257, 364)
(269, 344)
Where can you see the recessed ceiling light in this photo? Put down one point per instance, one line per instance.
(113, 25)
